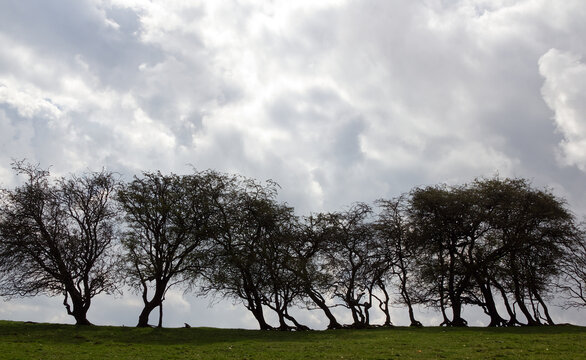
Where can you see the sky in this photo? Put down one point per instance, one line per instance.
(336, 100)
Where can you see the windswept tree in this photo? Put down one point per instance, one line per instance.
(439, 219)
(168, 232)
(494, 236)
(499, 208)
(56, 237)
(352, 259)
(307, 262)
(252, 235)
(284, 288)
(393, 229)
(533, 228)
(572, 282)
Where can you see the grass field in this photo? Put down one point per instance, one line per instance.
(52, 341)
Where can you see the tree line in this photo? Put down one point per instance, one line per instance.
(493, 243)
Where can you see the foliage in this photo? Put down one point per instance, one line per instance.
(493, 233)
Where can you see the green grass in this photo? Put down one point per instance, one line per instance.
(51, 341)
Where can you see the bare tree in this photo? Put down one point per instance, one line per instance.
(57, 237)
(573, 275)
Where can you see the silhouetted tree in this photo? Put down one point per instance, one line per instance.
(351, 258)
(492, 236)
(393, 228)
(248, 220)
(169, 227)
(307, 262)
(283, 286)
(573, 274)
(438, 215)
(533, 227)
(57, 237)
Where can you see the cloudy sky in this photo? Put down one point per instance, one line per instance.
(338, 101)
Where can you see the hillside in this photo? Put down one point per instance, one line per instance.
(54, 341)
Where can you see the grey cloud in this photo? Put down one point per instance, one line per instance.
(66, 31)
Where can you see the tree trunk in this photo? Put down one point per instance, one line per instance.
(259, 316)
(149, 306)
(320, 302)
(80, 315)
(517, 291)
(442, 299)
(143, 318)
(525, 311)
(407, 298)
(521, 303)
(384, 304)
(360, 321)
(457, 319)
(512, 316)
(446, 321)
(366, 317)
(80, 309)
(454, 295)
(82, 320)
(535, 308)
(160, 325)
(495, 318)
(282, 323)
(298, 326)
(255, 307)
(545, 309)
(353, 305)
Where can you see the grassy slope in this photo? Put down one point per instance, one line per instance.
(51, 341)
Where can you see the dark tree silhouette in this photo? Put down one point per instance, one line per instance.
(56, 237)
(351, 257)
(534, 229)
(493, 241)
(394, 230)
(283, 287)
(247, 220)
(438, 216)
(168, 231)
(492, 236)
(307, 262)
(573, 280)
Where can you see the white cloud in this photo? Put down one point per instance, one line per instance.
(28, 102)
(564, 91)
